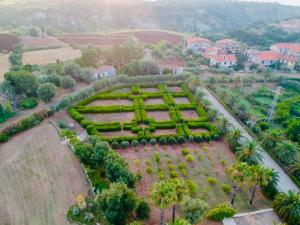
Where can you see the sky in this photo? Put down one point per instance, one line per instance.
(286, 2)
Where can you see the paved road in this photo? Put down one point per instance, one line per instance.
(285, 183)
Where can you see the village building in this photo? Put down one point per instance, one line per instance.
(198, 45)
(105, 72)
(213, 51)
(288, 49)
(228, 45)
(224, 60)
(175, 66)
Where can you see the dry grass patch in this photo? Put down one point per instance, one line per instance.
(111, 117)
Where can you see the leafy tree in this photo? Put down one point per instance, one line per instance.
(287, 206)
(34, 32)
(15, 58)
(68, 82)
(234, 138)
(143, 210)
(293, 130)
(260, 176)
(90, 57)
(73, 70)
(116, 203)
(46, 91)
(84, 152)
(239, 174)
(241, 61)
(23, 82)
(162, 196)
(193, 209)
(250, 154)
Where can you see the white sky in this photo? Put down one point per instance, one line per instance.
(286, 2)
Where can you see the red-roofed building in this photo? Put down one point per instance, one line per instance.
(288, 49)
(197, 44)
(224, 60)
(228, 45)
(105, 71)
(213, 51)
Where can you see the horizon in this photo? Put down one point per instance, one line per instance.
(284, 2)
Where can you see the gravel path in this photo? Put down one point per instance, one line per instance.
(285, 183)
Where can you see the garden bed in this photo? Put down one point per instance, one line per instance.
(154, 101)
(108, 102)
(198, 130)
(164, 131)
(181, 100)
(175, 89)
(159, 115)
(189, 114)
(110, 117)
(149, 89)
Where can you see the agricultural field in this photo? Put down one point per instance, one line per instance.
(40, 178)
(43, 57)
(35, 43)
(7, 42)
(149, 126)
(150, 37)
(4, 65)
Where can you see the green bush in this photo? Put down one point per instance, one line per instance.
(46, 91)
(135, 143)
(198, 138)
(153, 141)
(189, 158)
(163, 140)
(144, 141)
(143, 210)
(191, 138)
(212, 180)
(171, 140)
(124, 144)
(181, 139)
(173, 174)
(192, 186)
(226, 188)
(28, 103)
(220, 212)
(185, 151)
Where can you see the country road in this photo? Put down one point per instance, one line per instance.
(285, 183)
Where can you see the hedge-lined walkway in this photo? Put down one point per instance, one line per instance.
(285, 183)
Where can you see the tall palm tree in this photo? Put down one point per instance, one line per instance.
(223, 125)
(238, 174)
(162, 196)
(251, 153)
(287, 206)
(260, 176)
(180, 191)
(234, 138)
(286, 152)
(271, 138)
(295, 169)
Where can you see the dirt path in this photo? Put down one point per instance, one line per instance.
(285, 183)
(40, 178)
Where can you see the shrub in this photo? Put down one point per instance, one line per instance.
(163, 140)
(135, 143)
(191, 138)
(124, 144)
(171, 140)
(222, 161)
(115, 145)
(61, 124)
(192, 186)
(149, 170)
(264, 125)
(226, 188)
(46, 91)
(181, 139)
(173, 174)
(28, 103)
(200, 157)
(156, 157)
(181, 166)
(68, 82)
(183, 172)
(220, 212)
(4, 138)
(75, 211)
(143, 141)
(153, 141)
(189, 158)
(193, 209)
(171, 167)
(212, 180)
(198, 138)
(143, 210)
(185, 151)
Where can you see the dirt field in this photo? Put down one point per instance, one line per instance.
(154, 101)
(43, 57)
(4, 65)
(182, 100)
(111, 117)
(40, 178)
(41, 42)
(209, 164)
(189, 114)
(151, 37)
(105, 102)
(7, 41)
(159, 115)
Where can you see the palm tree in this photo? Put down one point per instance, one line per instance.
(260, 176)
(286, 152)
(212, 114)
(287, 206)
(239, 174)
(234, 138)
(223, 125)
(180, 191)
(251, 153)
(295, 169)
(162, 196)
(271, 138)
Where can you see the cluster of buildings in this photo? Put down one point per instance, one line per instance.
(221, 53)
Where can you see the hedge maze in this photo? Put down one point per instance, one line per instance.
(145, 113)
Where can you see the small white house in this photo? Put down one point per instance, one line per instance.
(226, 61)
(105, 71)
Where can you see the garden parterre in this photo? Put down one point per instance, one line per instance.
(145, 121)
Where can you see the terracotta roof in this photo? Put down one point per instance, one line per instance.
(197, 39)
(224, 58)
(269, 55)
(226, 41)
(103, 69)
(294, 47)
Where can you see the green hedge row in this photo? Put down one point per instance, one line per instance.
(104, 96)
(116, 126)
(104, 109)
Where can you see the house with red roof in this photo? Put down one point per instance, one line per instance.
(223, 60)
(198, 44)
(105, 71)
(213, 51)
(228, 45)
(288, 49)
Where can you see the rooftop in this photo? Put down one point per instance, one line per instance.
(103, 69)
